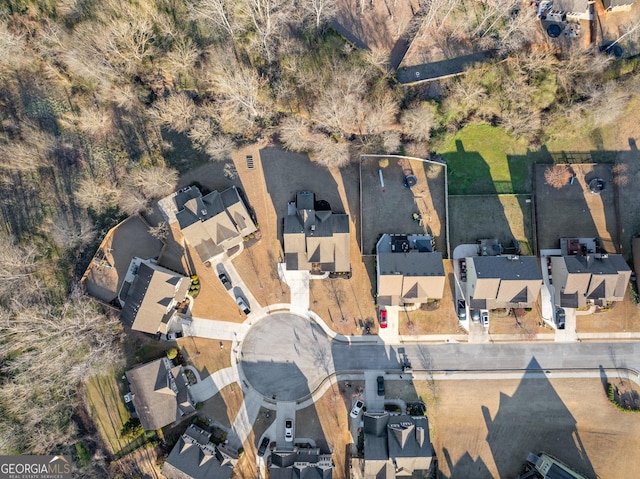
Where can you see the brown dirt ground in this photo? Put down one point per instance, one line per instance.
(327, 422)
(205, 354)
(484, 429)
(527, 325)
(224, 406)
(439, 321)
(143, 463)
(623, 316)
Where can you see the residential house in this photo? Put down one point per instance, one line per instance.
(408, 270)
(300, 464)
(583, 279)
(195, 457)
(160, 393)
(509, 281)
(213, 224)
(396, 446)
(149, 295)
(315, 238)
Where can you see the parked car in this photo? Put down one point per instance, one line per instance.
(357, 407)
(484, 316)
(462, 310)
(175, 335)
(383, 318)
(225, 280)
(475, 315)
(560, 317)
(380, 386)
(263, 446)
(243, 306)
(288, 430)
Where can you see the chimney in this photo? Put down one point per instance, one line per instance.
(420, 436)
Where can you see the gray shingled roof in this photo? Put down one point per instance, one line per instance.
(508, 267)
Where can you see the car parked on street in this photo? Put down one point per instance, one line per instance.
(243, 306)
(225, 280)
(288, 430)
(355, 410)
(380, 386)
(484, 317)
(263, 446)
(383, 318)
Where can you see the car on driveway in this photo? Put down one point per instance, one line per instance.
(243, 306)
(475, 315)
(560, 318)
(484, 317)
(263, 446)
(383, 318)
(380, 386)
(288, 430)
(225, 280)
(357, 407)
(462, 310)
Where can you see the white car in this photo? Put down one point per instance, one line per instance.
(288, 430)
(484, 317)
(355, 410)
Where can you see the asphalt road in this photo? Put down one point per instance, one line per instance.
(286, 357)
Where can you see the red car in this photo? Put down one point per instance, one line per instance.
(383, 318)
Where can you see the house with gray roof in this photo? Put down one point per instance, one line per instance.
(581, 280)
(315, 238)
(509, 281)
(160, 393)
(195, 457)
(408, 270)
(300, 464)
(396, 446)
(149, 295)
(212, 224)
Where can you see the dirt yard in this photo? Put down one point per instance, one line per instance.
(623, 316)
(522, 322)
(106, 272)
(205, 354)
(573, 211)
(442, 320)
(390, 209)
(485, 429)
(224, 406)
(491, 216)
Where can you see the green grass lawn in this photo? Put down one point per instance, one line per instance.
(483, 159)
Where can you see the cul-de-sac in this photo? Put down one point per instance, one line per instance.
(319, 239)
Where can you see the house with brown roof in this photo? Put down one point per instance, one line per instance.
(149, 295)
(509, 281)
(408, 270)
(396, 446)
(160, 393)
(581, 280)
(213, 224)
(315, 238)
(195, 457)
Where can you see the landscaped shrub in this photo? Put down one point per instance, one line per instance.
(172, 354)
(611, 393)
(131, 429)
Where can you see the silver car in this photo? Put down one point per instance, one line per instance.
(288, 430)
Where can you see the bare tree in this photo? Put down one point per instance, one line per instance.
(175, 112)
(94, 194)
(153, 181)
(417, 121)
(330, 153)
(295, 134)
(132, 202)
(557, 176)
(219, 13)
(267, 19)
(182, 57)
(320, 10)
(220, 147)
(161, 231)
(68, 232)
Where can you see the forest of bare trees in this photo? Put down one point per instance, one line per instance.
(93, 94)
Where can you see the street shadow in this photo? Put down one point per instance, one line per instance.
(521, 426)
(286, 173)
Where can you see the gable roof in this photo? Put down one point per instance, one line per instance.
(149, 299)
(412, 277)
(160, 393)
(316, 237)
(300, 464)
(212, 223)
(503, 281)
(195, 457)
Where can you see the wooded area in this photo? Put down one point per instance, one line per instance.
(95, 94)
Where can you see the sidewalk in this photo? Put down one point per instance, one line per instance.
(211, 385)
